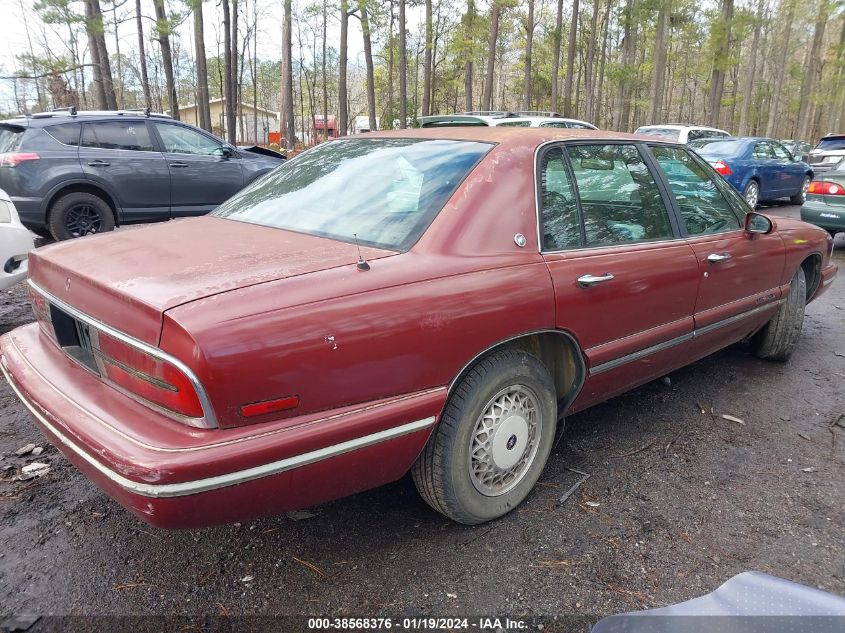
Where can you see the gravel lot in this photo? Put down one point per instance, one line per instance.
(686, 500)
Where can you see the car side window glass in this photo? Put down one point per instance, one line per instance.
(553, 124)
(762, 151)
(66, 133)
(560, 225)
(780, 152)
(695, 134)
(182, 140)
(578, 126)
(620, 200)
(703, 207)
(126, 135)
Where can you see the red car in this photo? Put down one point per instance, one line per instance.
(432, 300)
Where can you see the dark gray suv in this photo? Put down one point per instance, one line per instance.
(73, 173)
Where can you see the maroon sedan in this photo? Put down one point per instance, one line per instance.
(433, 300)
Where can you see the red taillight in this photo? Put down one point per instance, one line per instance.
(41, 309)
(270, 406)
(825, 188)
(13, 159)
(721, 167)
(148, 377)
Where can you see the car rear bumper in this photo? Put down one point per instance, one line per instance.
(827, 216)
(174, 476)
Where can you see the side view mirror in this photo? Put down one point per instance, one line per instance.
(223, 152)
(757, 223)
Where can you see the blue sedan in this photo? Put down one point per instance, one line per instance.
(759, 168)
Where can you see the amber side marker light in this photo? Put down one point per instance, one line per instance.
(825, 188)
(269, 406)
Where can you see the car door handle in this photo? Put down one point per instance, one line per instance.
(178, 164)
(98, 163)
(715, 258)
(585, 281)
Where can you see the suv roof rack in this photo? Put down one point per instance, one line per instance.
(73, 112)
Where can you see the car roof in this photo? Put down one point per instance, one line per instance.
(44, 119)
(677, 126)
(514, 137)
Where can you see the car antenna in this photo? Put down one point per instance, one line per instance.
(362, 263)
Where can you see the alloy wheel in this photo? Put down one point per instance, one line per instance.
(505, 440)
(752, 194)
(83, 219)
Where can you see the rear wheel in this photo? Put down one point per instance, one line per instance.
(778, 337)
(752, 194)
(801, 196)
(493, 439)
(79, 213)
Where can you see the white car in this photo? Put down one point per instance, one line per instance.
(15, 243)
(681, 133)
(499, 118)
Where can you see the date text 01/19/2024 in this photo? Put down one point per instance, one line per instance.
(417, 624)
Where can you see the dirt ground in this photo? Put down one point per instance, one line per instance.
(686, 499)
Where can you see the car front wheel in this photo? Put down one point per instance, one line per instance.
(492, 441)
(778, 337)
(752, 194)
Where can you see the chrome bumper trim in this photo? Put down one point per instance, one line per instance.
(219, 481)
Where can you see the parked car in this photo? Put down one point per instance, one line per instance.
(827, 152)
(759, 168)
(799, 149)
(504, 119)
(825, 205)
(15, 243)
(431, 300)
(681, 133)
(75, 173)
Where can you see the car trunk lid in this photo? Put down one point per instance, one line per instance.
(129, 278)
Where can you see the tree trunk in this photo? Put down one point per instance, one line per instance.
(403, 69)
(557, 38)
(233, 103)
(529, 45)
(658, 78)
(145, 80)
(813, 71)
(493, 38)
(368, 59)
(602, 62)
(93, 24)
(325, 76)
(228, 97)
(426, 96)
(748, 88)
(570, 60)
(721, 60)
(390, 110)
(100, 38)
(469, 19)
(780, 69)
(203, 108)
(589, 84)
(163, 33)
(287, 119)
(343, 122)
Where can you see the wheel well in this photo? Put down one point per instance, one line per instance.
(82, 188)
(557, 350)
(813, 273)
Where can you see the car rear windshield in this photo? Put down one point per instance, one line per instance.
(662, 132)
(834, 142)
(10, 138)
(380, 192)
(718, 149)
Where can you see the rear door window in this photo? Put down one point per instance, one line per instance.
(620, 200)
(126, 135)
(66, 133)
(763, 151)
(702, 203)
(561, 228)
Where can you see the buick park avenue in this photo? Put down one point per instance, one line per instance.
(433, 301)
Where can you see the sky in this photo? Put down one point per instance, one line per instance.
(13, 39)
